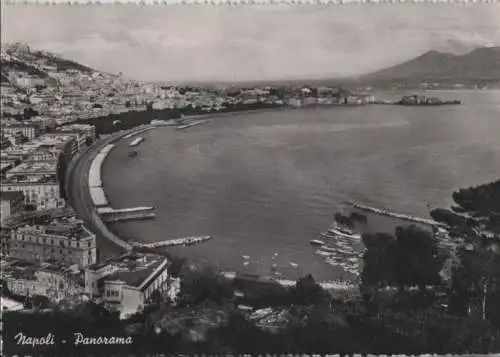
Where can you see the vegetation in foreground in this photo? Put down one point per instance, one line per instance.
(415, 298)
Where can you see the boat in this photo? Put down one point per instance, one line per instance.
(132, 154)
(328, 249)
(294, 264)
(336, 233)
(317, 242)
(325, 254)
(245, 256)
(136, 141)
(246, 263)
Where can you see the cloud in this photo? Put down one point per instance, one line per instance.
(224, 42)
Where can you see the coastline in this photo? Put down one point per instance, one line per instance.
(84, 206)
(79, 193)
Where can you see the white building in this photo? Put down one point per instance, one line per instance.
(29, 131)
(126, 283)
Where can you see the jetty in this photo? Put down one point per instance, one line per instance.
(173, 242)
(111, 215)
(188, 125)
(401, 216)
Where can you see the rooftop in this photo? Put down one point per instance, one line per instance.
(24, 180)
(133, 268)
(38, 167)
(69, 230)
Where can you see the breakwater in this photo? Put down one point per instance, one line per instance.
(173, 242)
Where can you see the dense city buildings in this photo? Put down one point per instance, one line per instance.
(11, 203)
(56, 282)
(66, 241)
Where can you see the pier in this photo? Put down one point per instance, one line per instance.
(405, 217)
(188, 125)
(173, 242)
(110, 215)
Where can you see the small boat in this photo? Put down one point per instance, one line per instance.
(136, 141)
(337, 233)
(317, 242)
(132, 154)
(328, 249)
(325, 254)
(246, 263)
(245, 256)
(294, 264)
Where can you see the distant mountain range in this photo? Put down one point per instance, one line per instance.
(479, 65)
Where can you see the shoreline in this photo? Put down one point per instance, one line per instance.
(82, 203)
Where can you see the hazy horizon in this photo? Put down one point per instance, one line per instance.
(250, 44)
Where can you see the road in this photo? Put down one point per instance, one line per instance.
(78, 194)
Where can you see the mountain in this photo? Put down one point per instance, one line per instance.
(479, 65)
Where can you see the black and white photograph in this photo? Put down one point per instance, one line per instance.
(250, 179)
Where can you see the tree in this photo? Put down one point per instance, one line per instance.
(476, 280)
(378, 267)
(410, 258)
(307, 292)
(417, 261)
(202, 285)
(40, 302)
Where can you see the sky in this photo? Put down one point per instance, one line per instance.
(236, 43)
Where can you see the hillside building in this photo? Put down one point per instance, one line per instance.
(67, 242)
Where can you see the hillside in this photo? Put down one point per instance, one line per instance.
(480, 65)
(18, 59)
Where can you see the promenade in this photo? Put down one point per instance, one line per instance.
(78, 194)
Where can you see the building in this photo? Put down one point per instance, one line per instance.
(42, 192)
(126, 283)
(68, 142)
(84, 130)
(28, 131)
(51, 280)
(10, 203)
(15, 138)
(37, 180)
(44, 124)
(66, 241)
(4, 142)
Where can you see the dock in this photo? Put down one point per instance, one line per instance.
(111, 215)
(188, 125)
(173, 242)
(405, 217)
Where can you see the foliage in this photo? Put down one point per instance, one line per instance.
(203, 285)
(408, 259)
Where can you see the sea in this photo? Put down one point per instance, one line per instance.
(264, 184)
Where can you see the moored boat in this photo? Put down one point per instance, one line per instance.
(317, 242)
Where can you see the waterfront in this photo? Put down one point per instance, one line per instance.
(267, 183)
